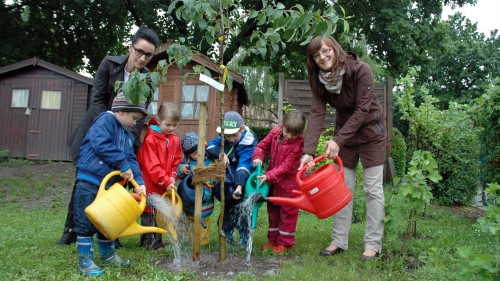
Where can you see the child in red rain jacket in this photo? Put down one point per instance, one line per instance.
(283, 145)
(159, 156)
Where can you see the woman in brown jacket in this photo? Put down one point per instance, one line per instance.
(340, 79)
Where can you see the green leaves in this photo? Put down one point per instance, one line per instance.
(413, 193)
(140, 86)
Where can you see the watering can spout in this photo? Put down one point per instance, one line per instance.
(136, 229)
(259, 198)
(300, 202)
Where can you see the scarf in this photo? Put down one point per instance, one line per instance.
(333, 83)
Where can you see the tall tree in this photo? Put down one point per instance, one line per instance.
(462, 62)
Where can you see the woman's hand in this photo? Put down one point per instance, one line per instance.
(332, 149)
(305, 159)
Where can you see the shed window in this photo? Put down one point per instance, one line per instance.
(192, 96)
(20, 98)
(153, 106)
(51, 99)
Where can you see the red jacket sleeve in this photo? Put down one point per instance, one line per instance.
(286, 166)
(263, 148)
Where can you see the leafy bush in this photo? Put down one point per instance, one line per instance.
(449, 135)
(261, 132)
(413, 194)
(485, 266)
(398, 152)
(486, 111)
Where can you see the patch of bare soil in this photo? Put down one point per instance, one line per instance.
(472, 213)
(48, 181)
(209, 266)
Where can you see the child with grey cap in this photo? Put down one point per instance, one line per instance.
(238, 149)
(186, 189)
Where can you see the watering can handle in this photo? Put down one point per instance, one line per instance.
(259, 173)
(316, 160)
(102, 188)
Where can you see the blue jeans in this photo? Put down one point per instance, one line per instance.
(85, 194)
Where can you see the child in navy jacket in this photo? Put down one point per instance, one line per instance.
(108, 146)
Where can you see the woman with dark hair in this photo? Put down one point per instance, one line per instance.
(112, 69)
(340, 79)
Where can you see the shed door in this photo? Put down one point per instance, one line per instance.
(49, 119)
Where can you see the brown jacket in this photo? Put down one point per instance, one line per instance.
(359, 126)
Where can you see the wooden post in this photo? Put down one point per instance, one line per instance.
(281, 94)
(200, 163)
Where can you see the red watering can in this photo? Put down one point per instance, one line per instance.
(322, 193)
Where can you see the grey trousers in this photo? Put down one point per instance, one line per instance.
(374, 191)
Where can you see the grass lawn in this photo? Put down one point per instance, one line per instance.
(33, 201)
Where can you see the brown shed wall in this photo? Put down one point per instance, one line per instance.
(171, 91)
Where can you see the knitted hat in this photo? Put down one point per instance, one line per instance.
(120, 103)
(189, 143)
(232, 123)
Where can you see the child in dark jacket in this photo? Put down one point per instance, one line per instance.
(189, 144)
(108, 146)
(238, 149)
(283, 145)
(159, 156)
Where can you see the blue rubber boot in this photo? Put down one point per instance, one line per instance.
(108, 253)
(85, 247)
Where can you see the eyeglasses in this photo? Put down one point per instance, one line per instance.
(323, 52)
(140, 53)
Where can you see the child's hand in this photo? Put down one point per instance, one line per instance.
(256, 162)
(237, 194)
(172, 185)
(185, 170)
(262, 179)
(226, 159)
(140, 190)
(127, 175)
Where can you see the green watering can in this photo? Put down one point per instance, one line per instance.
(253, 186)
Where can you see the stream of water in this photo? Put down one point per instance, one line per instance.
(168, 217)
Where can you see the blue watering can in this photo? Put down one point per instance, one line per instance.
(187, 193)
(253, 186)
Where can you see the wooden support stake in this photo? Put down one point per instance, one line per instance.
(200, 159)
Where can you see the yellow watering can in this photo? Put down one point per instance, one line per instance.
(176, 209)
(114, 211)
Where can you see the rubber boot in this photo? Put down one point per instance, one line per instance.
(85, 247)
(108, 253)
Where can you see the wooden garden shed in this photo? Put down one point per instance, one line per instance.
(40, 105)
(188, 95)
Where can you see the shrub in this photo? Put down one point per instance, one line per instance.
(485, 266)
(450, 136)
(486, 111)
(398, 152)
(260, 132)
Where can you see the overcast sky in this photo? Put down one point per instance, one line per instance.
(485, 13)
